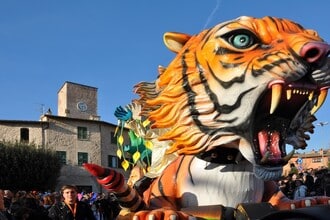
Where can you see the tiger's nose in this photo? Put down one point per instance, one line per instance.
(315, 52)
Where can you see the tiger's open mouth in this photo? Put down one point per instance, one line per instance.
(283, 114)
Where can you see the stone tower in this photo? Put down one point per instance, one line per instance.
(77, 101)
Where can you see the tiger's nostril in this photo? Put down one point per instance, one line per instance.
(315, 52)
(312, 53)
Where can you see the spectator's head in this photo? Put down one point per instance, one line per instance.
(8, 194)
(47, 200)
(57, 197)
(20, 194)
(299, 182)
(327, 178)
(69, 193)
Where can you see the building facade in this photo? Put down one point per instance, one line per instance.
(313, 160)
(76, 134)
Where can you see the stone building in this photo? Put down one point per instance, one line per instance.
(76, 133)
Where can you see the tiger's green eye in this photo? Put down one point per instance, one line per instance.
(241, 38)
(241, 41)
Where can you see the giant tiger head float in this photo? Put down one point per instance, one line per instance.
(248, 85)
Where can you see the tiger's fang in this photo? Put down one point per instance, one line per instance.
(264, 159)
(320, 100)
(276, 97)
(288, 157)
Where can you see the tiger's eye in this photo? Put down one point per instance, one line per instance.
(241, 41)
(241, 38)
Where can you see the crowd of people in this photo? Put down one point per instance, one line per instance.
(68, 204)
(299, 184)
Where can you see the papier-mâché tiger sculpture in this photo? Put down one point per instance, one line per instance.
(220, 116)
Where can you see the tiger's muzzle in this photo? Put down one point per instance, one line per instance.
(285, 111)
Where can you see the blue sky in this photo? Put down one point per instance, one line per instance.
(114, 44)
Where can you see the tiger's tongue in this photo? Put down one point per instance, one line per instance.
(269, 142)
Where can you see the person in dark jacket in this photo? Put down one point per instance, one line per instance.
(70, 208)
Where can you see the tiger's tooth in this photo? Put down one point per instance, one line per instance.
(265, 159)
(238, 157)
(320, 100)
(288, 94)
(310, 96)
(288, 157)
(276, 97)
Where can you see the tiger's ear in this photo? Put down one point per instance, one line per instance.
(174, 41)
